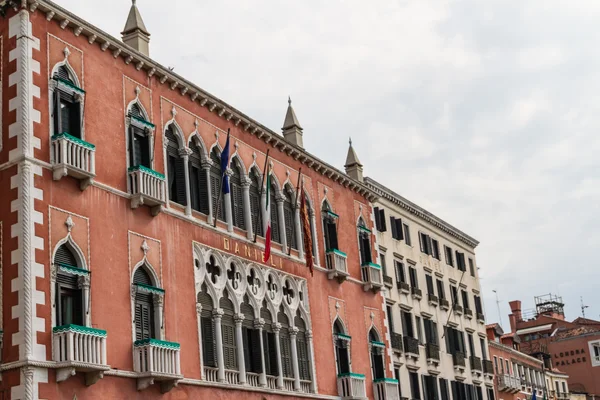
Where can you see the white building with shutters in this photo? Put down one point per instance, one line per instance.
(435, 318)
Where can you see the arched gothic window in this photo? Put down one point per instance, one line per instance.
(175, 168)
(215, 185)
(139, 139)
(376, 355)
(364, 238)
(207, 329)
(69, 294)
(329, 227)
(237, 198)
(228, 333)
(251, 339)
(198, 181)
(289, 219)
(67, 106)
(144, 307)
(269, 346)
(302, 347)
(285, 344)
(255, 202)
(275, 226)
(342, 341)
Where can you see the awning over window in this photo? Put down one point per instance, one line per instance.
(534, 329)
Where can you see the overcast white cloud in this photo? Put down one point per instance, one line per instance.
(485, 112)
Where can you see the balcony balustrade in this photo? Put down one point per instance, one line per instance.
(488, 367)
(416, 293)
(371, 276)
(396, 339)
(433, 353)
(458, 359)
(157, 360)
(388, 281)
(432, 299)
(444, 304)
(411, 346)
(79, 348)
(468, 313)
(403, 287)
(73, 157)
(147, 188)
(481, 318)
(457, 309)
(386, 389)
(336, 264)
(352, 386)
(475, 363)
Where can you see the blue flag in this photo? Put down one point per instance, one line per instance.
(224, 166)
(534, 397)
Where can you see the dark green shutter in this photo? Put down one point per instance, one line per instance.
(208, 342)
(288, 214)
(275, 234)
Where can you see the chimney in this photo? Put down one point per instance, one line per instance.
(354, 168)
(292, 131)
(135, 33)
(515, 316)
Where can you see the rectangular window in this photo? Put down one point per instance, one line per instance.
(66, 114)
(431, 334)
(430, 391)
(429, 280)
(396, 226)
(407, 325)
(407, 239)
(471, 345)
(471, 267)
(490, 392)
(564, 386)
(454, 294)
(435, 249)
(483, 348)
(478, 308)
(382, 262)
(501, 365)
(465, 299)
(460, 261)
(415, 391)
(449, 258)
(440, 289)
(397, 377)
(419, 330)
(454, 341)
(380, 219)
(426, 245)
(496, 365)
(400, 275)
(414, 282)
(445, 395)
(390, 318)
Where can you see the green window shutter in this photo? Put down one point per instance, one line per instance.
(290, 232)
(208, 342)
(275, 234)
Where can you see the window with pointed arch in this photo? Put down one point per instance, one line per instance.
(255, 192)
(67, 103)
(218, 200)
(342, 348)
(139, 138)
(70, 299)
(144, 305)
(377, 350)
(275, 225)
(364, 241)
(237, 198)
(207, 328)
(198, 181)
(289, 218)
(329, 227)
(302, 347)
(175, 167)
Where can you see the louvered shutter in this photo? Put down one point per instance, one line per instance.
(255, 210)
(181, 195)
(203, 192)
(75, 119)
(332, 235)
(237, 202)
(399, 231)
(272, 354)
(290, 233)
(422, 242)
(275, 234)
(393, 227)
(143, 317)
(303, 361)
(229, 347)
(65, 256)
(286, 356)
(254, 346)
(429, 280)
(208, 342)
(382, 220)
(57, 112)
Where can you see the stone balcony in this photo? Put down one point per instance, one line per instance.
(352, 386)
(481, 318)
(371, 276)
(396, 340)
(336, 264)
(444, 304)
(432, 299)
(475, 363)
(147, 187)
(468, 313)
(386, 389)
(432, 351)
(79, 349)
(403, 287)
(411, 347)
(416, 293)
(156, 361)
(73, 157)
(458, 359)
(457, 309)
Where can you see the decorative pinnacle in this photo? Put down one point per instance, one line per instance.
(350, 141)
(133, 2)
(289, 100)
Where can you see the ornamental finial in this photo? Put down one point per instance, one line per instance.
(289, 100)
(350, 141)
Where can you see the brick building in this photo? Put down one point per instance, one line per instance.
(126, 274)
(573, 347)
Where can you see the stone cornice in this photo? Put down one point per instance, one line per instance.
(420, 212)
(199, 96)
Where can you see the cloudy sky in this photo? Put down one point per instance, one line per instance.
(487, 113)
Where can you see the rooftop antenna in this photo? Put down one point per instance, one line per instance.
(498, 305)
(583, 307)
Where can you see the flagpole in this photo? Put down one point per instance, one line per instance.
(295, 208)
(262, 184)
(223, 174)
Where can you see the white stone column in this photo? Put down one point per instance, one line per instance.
(206, 168)
(185, 154)
(240, 348)
(276, 329)
(311, 361)
(247, 211)
(298, 229)
(217, 316)
(199, 324)
(228, 214)
(259, 324)
(295, 368)
(158, 307)
(282, 235)
(315, 238)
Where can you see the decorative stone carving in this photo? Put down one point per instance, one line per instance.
(69, 223)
